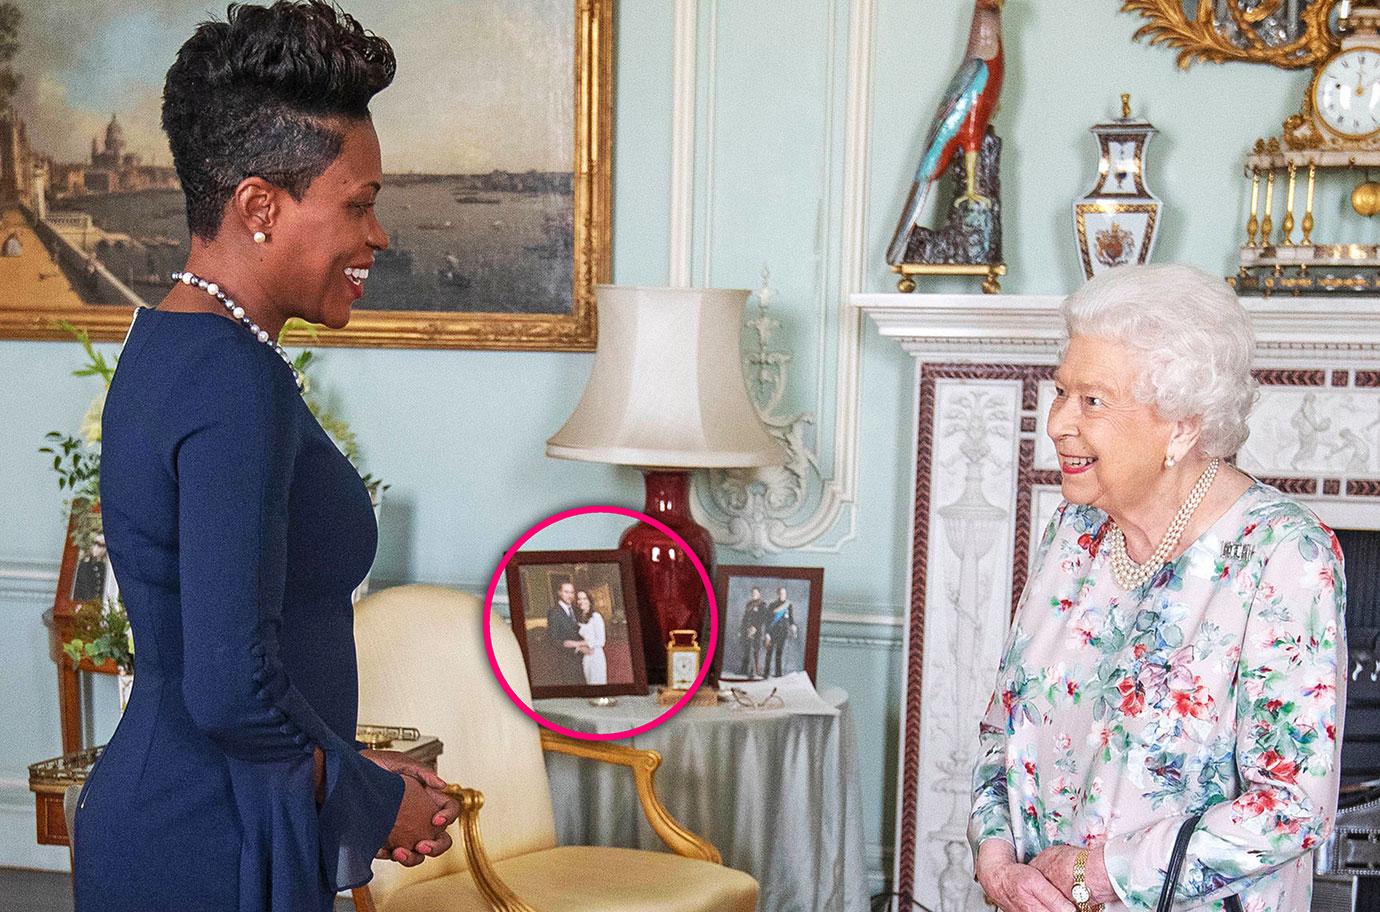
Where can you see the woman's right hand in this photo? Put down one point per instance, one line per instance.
(415, 823)
(1013, 886)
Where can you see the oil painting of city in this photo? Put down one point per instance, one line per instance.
(478, 133)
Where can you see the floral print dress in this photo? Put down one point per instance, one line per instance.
(1213, 688)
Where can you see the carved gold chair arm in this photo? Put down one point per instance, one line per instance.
(486, 879)
(643, 764)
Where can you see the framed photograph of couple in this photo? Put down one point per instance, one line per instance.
(769, 623)
(575, 617)
(496, 140)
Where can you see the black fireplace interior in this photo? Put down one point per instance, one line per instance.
(1361, 733)
(1350, 859)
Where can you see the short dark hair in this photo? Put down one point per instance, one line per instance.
(255, 96)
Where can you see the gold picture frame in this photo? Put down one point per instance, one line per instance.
(37, 315)
(1200, 38)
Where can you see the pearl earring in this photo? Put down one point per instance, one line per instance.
(1169, 462)
(260, 237)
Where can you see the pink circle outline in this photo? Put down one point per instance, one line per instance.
(538, 717)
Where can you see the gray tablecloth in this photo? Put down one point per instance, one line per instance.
(778, 794)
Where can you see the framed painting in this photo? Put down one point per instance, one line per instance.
(771, 619)
(496, 138)
(575, 617)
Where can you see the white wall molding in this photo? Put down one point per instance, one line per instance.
(14, 793)
(841, 625)
(841, 490)
(683, 141)
(18, 845)
(838, 500)
(1311, 333)
(27, 580)
(860, 642)
(834, 515)
(710, 112)
(864, 618)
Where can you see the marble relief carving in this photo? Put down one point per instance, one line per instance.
(1045, 457)
(1295, 430)
(751, 509)
(1302, 431)
(973, 493)
(1044, 501)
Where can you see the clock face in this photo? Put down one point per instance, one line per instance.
(1347, 93)
(685, 667)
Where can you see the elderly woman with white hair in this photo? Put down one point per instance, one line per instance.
(1179, 647)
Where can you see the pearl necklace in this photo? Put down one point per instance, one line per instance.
(236, 311)
(1128, 573)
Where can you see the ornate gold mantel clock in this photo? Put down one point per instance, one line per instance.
(1337, 128)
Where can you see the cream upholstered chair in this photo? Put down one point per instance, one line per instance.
(422, 664)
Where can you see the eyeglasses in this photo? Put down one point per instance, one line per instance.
(744, 699)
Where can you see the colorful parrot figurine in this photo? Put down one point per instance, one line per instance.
(960, 122)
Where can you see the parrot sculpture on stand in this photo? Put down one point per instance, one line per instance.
(971, 241)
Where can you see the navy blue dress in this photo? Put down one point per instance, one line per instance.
(237, 532)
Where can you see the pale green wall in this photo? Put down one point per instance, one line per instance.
(459, 435)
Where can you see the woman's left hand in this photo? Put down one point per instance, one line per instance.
(447, 811)
(1056, 863)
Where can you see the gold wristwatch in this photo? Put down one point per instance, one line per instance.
(1082, 896)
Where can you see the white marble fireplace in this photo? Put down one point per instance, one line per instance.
(986, 481)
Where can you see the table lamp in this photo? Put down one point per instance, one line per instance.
(667, 395)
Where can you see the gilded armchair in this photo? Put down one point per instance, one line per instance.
(422, 664)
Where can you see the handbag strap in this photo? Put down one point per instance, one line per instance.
(1175, 868)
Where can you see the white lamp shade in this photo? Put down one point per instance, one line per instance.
(667, 387)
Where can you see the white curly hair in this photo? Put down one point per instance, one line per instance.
(1194, 335)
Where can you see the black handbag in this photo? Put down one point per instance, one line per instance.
(1176, 864)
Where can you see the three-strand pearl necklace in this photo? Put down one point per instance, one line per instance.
(1128, 573)
(236, 311)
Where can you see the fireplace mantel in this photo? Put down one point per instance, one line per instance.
(987, 479)
(1290, 332)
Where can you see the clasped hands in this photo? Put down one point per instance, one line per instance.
(579, 646)
(420, 829)
(1044, 883)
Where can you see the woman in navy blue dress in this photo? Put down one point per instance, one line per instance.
(235, 527)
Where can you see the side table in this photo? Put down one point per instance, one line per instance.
(777, 793)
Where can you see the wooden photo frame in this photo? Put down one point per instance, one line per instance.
(497, 176)
(752, 609)
(538, 583)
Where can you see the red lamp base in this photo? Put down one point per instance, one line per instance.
(668, 585)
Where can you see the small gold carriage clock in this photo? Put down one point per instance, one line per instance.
(682, 660)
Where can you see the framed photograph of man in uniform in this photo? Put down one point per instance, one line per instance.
(575, 616)
(769, 620)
